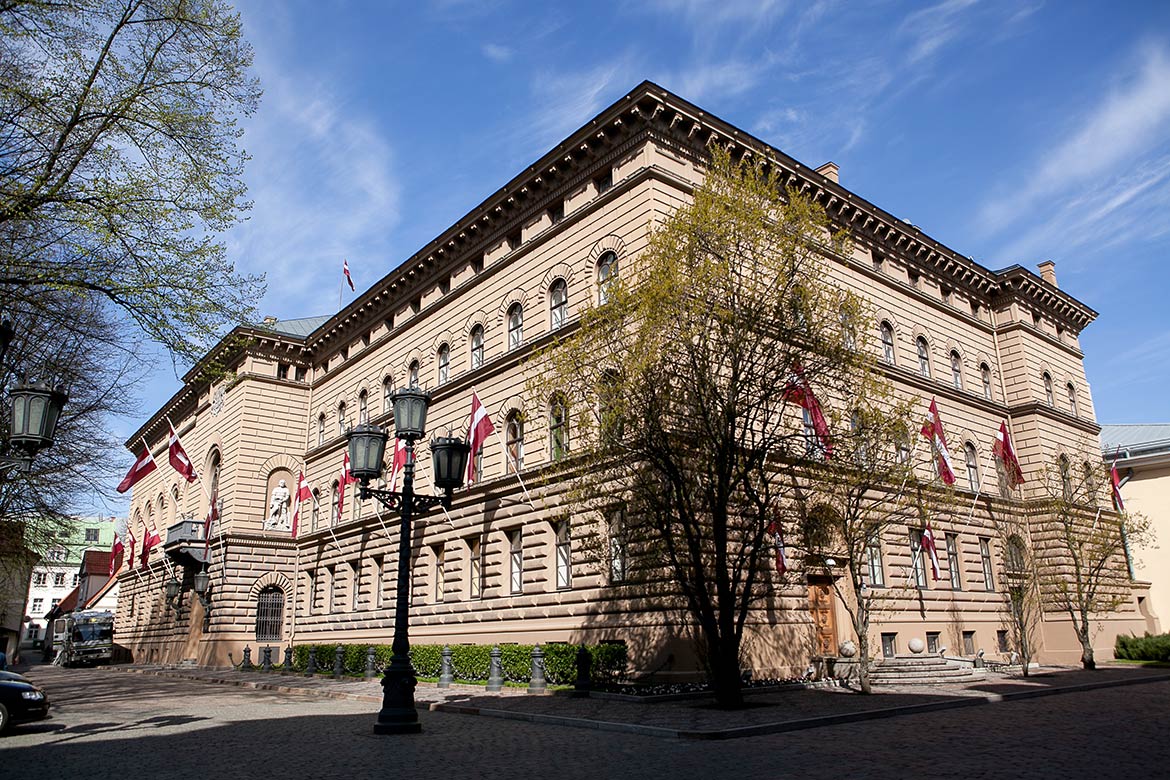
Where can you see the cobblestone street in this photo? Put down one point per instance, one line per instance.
(112, 724)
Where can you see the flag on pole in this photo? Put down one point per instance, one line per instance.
(347, 479)
(777, 533)
(481, 427)
(130, 547)
(348, 278)
(1115, 480)
(303, 493)
(398, 464)
(800, 392)
(150, 538)
(178, 456)
(932, 429)
(929, 547)
(210, 521)
(1007, 456)
(143, 465)
(115, 550)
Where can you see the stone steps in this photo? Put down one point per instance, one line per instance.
(923, 670)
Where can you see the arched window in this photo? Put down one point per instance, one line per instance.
(476, 347)
(1048, 396)
(1066, 486)
(1072, 398)
(1014, 556)
(923, 356)
(848, 331)
(558, 303)
(341, 418)
(321, 429)
(387, 392)
(270, 614)
(515, 326)
(985, 377)
(514, 434)
(335, 504)
(888, 343)
(363, 407)
(972, 466)
(607, 269)
(956, 370)
(444, 363)
(558, 428)
(412, 374)
(316, 508)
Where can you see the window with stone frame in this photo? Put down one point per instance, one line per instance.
(1049, 398)
(985, 377)
(363, 407)
(355, 587)
(873, 560)
(956, 370)
(40, 579)
(270, 614)
(476, 347)
(558, 304)
(320, 429)
(917, 558)
(516, 561)
(564, 556)
(607, 269)
(923, 356)
(444, 364)
(1072, 398)
(440, 557)
(954, 563)
(558, 427)
(377, 586)
(387, 394)
(341, 419)
(515, 326)
(475, 568)
(412, 374)
(618, 546)
(985, 559)
(887, 334)
(972, 459)
(514, 439)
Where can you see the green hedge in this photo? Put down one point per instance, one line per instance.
(1143, 648)
(472, 662)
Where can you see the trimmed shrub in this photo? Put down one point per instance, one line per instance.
(1143, 648)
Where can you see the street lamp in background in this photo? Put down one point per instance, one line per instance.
(367, 447)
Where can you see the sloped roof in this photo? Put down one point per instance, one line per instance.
(96, 562)
(67, 604)
(300, 328)
(1139, 439)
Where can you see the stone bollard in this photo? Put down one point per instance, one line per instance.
(371, 657)
(495, 681)
(583, 682)
(247, 663)
(536, 682)
(311, 665)
(288, 658)
(266, 658)
(446, 672)
(338, 661)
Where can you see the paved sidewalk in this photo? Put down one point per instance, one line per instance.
(767, 713)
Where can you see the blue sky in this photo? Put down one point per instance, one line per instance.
(1013, 132)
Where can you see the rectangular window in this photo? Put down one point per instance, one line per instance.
(603, 182)
(440, 574)
(954, 565)
(76, 579)
(617, 546)
(932, 641)
(282, 370)
(311, 592)
(92, 534)
(331, 590)
(968, 643)
(516, 561)
(1001, 640)
(917, 558)
(355, 590)
(873, 554)
(985, 554)
(475, 570)
(59, 579)
(40, 579)
(889, 645)
(377, 586)
(564, 556)
(300, 373)
(53, 604)
(38, 605)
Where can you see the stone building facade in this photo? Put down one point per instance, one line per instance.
(463, 314)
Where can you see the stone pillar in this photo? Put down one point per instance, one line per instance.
(495, 681)
(371, 657)
(446, 673)
(311, 665)
(536, 681)
(338, 661)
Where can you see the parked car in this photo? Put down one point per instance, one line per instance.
(6, 675)
(21, 701)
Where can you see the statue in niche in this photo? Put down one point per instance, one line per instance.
(278, 519)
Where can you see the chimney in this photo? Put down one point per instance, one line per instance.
(269, 321)
(830, 171)
(1048, 272)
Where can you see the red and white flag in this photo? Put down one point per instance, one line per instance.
(1115, 480)
(210, 521)
(142, 466)
(932, 429)
(150, 538)
(130, 545)
(929, 547)
(348, 278)
(777, 533)
(799, 391)
(347, 479)
(302, 495)
(115, 550)
(398, 464)
(1006, 454)
(178, 456)
(481, 427)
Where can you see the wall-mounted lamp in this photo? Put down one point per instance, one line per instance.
(174, 592)
(202, 583)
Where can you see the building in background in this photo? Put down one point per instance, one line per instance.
(463, 314)
(59, 572)
(1142, 456)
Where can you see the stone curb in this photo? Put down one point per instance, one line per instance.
(791, 725)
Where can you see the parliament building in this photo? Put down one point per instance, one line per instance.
(463, 314)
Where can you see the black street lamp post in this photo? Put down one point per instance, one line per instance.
(367, 446)
(33, 417)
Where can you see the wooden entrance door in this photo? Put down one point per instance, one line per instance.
(821, 603)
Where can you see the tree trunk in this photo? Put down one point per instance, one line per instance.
(725, 674)
(863, 661)
(1086, 643)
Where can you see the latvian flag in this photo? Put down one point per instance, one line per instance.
(777, 533)
(303, 495)
(143, 465)
(931, 550)
(932, 429)
(481, 428)
(799, 391)
(1006, 454)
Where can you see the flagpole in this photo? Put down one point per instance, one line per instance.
(979, 489)
(504, 447)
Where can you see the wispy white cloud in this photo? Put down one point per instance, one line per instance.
(1082, 186)
(711, 12)
(932, 28)
(714, 80)
(564, 100)
(497, 53)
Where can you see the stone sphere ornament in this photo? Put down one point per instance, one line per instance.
(916, 645)
(847, 649)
